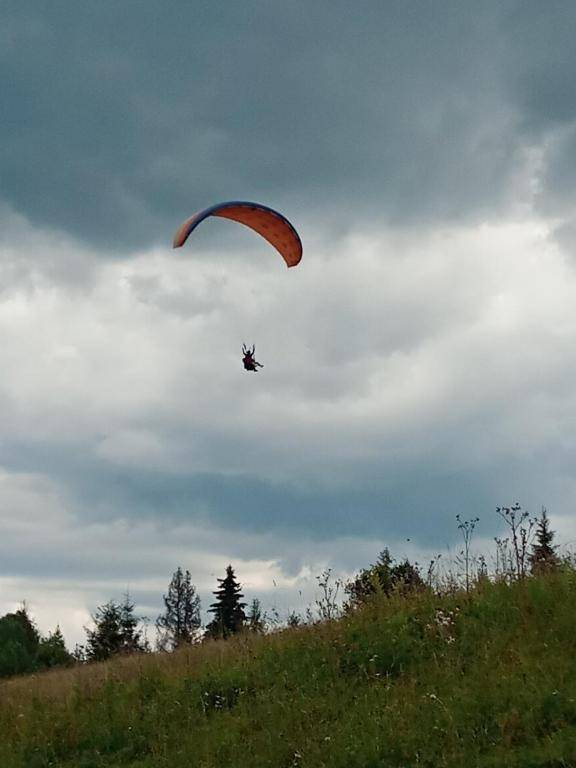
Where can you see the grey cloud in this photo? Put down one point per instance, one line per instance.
(411, 372)
(152, 423)
(121, 119)
(541, 63)
(557, 193)
(538, 81)
(391, 498)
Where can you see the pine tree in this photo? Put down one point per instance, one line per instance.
(133, 639)
(180, 622)
(116, 631)
(229, 616)
(543, 556)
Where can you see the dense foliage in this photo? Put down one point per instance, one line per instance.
(384, 576)
(23, 649)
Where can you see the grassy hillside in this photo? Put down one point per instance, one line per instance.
(488, 680)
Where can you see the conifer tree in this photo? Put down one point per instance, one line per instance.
(180, 622)
(105, 639)
(116, 631)
(133, 639)
(28, 625)
(543, 556)
(52, 651)
(228, 610)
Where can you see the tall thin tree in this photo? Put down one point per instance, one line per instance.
(180, 622)
(255, 620)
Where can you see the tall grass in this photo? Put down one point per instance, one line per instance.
(484, 678)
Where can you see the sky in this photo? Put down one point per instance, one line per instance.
(419, 362)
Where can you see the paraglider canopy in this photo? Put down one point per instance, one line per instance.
(270, 224)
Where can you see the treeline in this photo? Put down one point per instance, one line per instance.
(118, 630)
(527, 550)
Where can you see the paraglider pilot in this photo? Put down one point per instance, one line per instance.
(250, 363)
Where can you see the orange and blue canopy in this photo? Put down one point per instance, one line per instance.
(268, 223)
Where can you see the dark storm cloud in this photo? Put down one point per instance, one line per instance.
(404, 498)
(541, 62)
(539, 85)
(121, 118)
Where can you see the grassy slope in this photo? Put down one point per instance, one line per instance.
(394, 685)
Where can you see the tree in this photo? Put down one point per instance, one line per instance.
(116, 631)
(255, 620)
(24, 650)
(543, 556)
(133, 639)
(107, 638)
(180, 622)
(26, 622)
(228, 610)
(52, 651)
(19, 641)
(385, 577)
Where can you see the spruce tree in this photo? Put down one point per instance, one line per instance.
(228, 610)
(543, 556)
(52, 651)
(133, 639)
(105, 639)
(180, 622)
(116, 631)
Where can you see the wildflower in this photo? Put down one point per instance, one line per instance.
(444, 619)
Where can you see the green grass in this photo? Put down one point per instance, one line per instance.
(493, 683)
